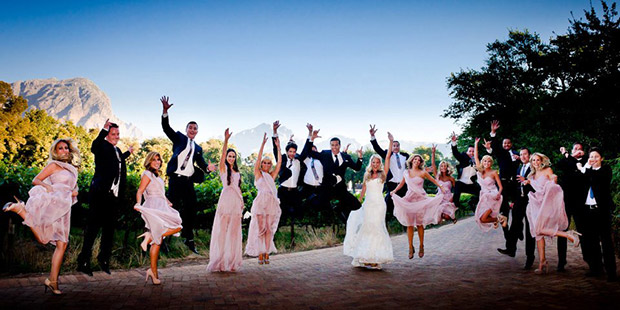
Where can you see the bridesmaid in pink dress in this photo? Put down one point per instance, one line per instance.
(48, 210)
(415, 208)
(265, 207)
(445, 178)
(490, 198)
(226, 248)
(545, 210)
(160, 219)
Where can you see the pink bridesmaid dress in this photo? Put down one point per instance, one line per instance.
(545, 209)
(49, 214)
(226, 248)
(447, 207)
(265, 217)
(416, 208)
(487, 201)
(158, 216)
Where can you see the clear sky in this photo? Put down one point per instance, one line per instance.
(338, 64)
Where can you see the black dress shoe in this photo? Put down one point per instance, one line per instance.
(192, 247)
(528, 264)
(85, 268)
(105, 267)
(520, 235)
(507, 252)
(561, 267)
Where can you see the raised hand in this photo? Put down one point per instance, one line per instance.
(309, 126)
(276, 125)
(477, 140)
(346, 149)
(227, 134)
(453, 137)
(562, 150)
(291, 139)
(107, 124)
(390, 137)
(433, 148)
(494, 126)
(315, 134)
(211, 167)
(359, 152)
(131, 150)
(164, 103)
(265, 138)
(487, 144)
(372, 130)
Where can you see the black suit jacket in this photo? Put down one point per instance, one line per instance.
(570, 178)
(507, 167)
(106, 166)
(179, 143)
(600, 182)
(463, 159)
(285, 172)
(383, 153)
(330, 170)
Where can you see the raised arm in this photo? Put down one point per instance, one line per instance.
(259, 158)
(307, 150)
(477, 141)
(375, 144)
(357, 166)
(222, 165)
(98, 143)
(433, 165)
(165, 122)
(433, 180)
(275, 172)
(276, 154)
(388, 155)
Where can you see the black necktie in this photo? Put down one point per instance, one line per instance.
(336, 162)
(191, 149)
(316, 175)
(398, 161)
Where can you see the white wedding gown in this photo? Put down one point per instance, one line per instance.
(367, 239)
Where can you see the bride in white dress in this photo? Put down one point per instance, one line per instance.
(367, 239)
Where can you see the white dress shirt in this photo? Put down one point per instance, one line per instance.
(295, 167)
(189, 168)
(397, 174)
(590, 201)
(309, 176)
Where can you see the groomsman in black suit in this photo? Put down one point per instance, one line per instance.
(519, 208)
(335, 164)
(106, 187)
(397, 168)
(466, 178)
(508, 161)
(569, 180)
(595, 213)
(312, 179)
(290, 174)
(186, 167)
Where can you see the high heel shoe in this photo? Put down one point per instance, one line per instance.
(575, 235)
(48, 284)
(145, 242)
(266, 259)
(149, 273)
(17, 207)
(411, 252)
(260, 259)
(421, 253)
(544, 266)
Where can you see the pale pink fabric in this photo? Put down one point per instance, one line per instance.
(49, 214)
(265, 217)
(226, 248)
(545, 209)
(158, 216)
(487, 201)
(416, 208)
(447, 207)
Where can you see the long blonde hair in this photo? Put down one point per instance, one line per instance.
(449, 169)
(545, 163)
(481, 167)
(74, 153)
(380, 171)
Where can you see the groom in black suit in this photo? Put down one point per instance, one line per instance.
(186, 167)
(107, 185)
(519, 208)
(335, 164)
(466, 174)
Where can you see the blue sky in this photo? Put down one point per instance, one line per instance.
(338, 64)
